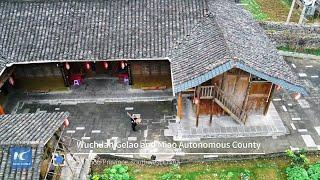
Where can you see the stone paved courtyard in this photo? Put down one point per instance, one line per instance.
(107, 121)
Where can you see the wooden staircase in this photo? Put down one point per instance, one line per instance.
(213, 92)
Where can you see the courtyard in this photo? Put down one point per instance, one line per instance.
(98, 116)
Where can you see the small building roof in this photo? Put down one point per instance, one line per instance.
(56, 31)
(228, 38)
(29, 129)
(26, 130)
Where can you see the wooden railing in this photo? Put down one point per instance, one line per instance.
(240, 113)
(206, 92)
(213, 92)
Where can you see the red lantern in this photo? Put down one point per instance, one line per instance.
(297, 96)
(196, 100)
(11, 81)
(87, 66)
(67, 65)
(105, 65)
(123, 65)
(66, 123)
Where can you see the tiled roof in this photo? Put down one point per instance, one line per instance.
(201, 51)
(135, 29)
(30, 128)
(248, 42)
(26, 130)
(94, 30)
(7, 173)
(230, 35)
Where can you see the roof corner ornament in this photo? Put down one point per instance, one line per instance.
(235, 60)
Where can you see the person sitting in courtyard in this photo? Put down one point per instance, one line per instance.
(135, 120)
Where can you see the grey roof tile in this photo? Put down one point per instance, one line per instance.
(30, 128)
(135, 29)
(248, 42)
(26, 130)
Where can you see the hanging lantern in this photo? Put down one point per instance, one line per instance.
(278, 88)
(297, 96)
(87, 66)
(67, 66)
(11, 81)
(123, 65)
(66, 123)
(196, 101)
(105, 65)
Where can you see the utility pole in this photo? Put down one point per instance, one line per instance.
(290, 12)
(309, 4)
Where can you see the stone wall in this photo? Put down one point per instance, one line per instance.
(294, 35)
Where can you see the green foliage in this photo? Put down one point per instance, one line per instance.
(116, 172)
(312, 51)
(296, 173)
(255, 9)
(298, 158)
(314, 171)
(245, 175)
(287, 2)
(95, 177)
(173, 174)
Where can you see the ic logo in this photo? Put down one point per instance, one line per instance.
(21, 157)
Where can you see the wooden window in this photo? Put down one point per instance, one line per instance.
(164, 68)
(155, 69)
(145, 69)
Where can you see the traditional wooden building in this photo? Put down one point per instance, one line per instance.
(27, 142)
(212, 51)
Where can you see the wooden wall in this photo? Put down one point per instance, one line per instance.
(241, 88)
(37, 70)
(258, 97)
(151, 74)
(147, 68)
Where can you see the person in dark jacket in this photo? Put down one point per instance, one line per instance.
(133, 121)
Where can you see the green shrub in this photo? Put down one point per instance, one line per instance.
(314, 171)
(296, 173)
(298, 158)
(255, 9)
(116, 172)
(173, 174)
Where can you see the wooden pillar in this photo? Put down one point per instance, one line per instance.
(180, 107)
(269, 99)
(211, 110)
(1, 110)
(64, 75)
(198, 112)
(129, 73)
(198, 107)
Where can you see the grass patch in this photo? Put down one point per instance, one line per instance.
(255, 9)
(259, 169)
(313, 51)
(151, 81)
(41, 84)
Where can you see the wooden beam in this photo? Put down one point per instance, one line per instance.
(236, 82)
(180, 108)
(247, 94)
(269, 99)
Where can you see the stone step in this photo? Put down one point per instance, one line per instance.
(101, 100)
